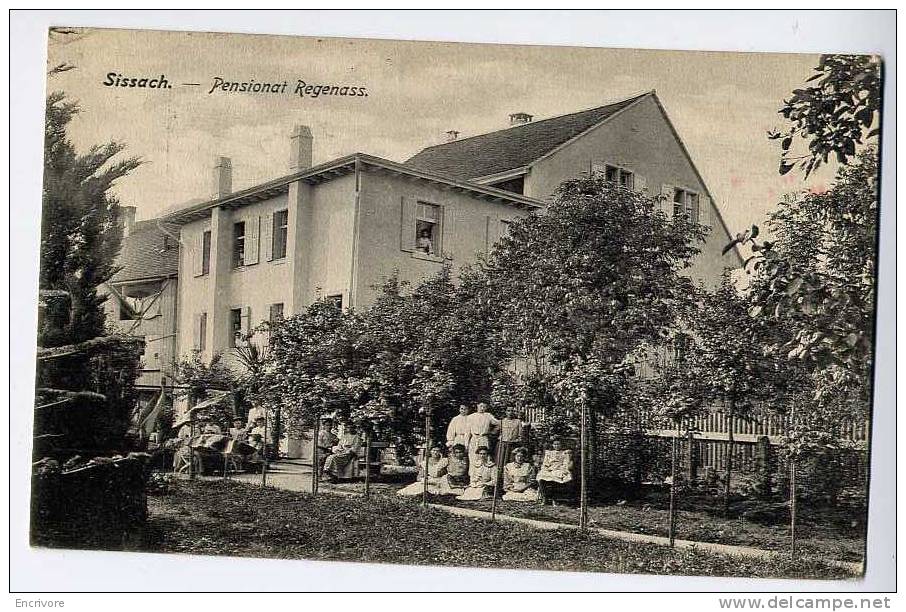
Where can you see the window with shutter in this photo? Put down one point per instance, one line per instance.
(252, 229)
(665, 202)
(428, 228)
(239, 244)
(206, 252)
(407, 224)
(280, 221)
(267, 237)
(196, 254)
(235, 326)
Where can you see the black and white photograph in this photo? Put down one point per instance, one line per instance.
(488, 306)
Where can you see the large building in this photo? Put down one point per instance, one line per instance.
(337, 229)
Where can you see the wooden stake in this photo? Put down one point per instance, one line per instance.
(264, 453)
(583, 468)
(189, 444)
(427, 444)
(672, 528)
(793, 508)
(315, 459)
(367, 462)
(497, 476)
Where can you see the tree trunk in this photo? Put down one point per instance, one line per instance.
(731, 406)
(278, 426)
(793, 507)
(264, 454)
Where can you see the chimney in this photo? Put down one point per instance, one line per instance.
(451, 135)
(520, 118)
(223, 177)
(300, 148)
(127, 219)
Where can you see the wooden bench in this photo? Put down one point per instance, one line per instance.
(373, 463)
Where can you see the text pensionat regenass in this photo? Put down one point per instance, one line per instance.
(301, 89)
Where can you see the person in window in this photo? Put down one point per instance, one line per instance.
(423, 242)
(437, 476)
(481, 481)
(519, 478)
(343, 462)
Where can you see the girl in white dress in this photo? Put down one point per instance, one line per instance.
(482, 477)
(519, 478)
(437, 476)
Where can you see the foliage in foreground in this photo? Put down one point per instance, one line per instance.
(228, 518)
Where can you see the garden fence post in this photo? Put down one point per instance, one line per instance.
(189, 445)
(315, 459)
(368, 462)
(583, 468)
(425, 467)
(497, 476)
(264, 453)
(673, 444)
(691, 459)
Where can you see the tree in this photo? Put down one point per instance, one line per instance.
(728, 363)
(587, 285)
(835, 114)
(80, 231)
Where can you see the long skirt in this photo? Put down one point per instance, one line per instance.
(528, 495)
(475, 493)
(342, 465)
(436, 486)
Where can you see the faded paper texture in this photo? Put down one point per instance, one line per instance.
(294, 290)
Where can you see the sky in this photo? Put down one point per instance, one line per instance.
(722, 104)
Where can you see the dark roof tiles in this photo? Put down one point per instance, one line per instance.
(148, 252)
(512, 147)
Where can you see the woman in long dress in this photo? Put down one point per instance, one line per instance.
(437, 476)
(519, 478)
(457, 471)
(556, 468)
(481, 480)
(343, 462)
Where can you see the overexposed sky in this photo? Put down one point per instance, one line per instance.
(722, 104)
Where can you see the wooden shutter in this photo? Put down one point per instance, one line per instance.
(197, 253)
(196, 331)
(667, 193)
(246, 320)
(704, 210)
(267, 235)
(407, 224)
(641, 183)
(251, 240)
(447, 231)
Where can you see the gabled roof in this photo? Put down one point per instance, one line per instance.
(149, 251)
(513, 147)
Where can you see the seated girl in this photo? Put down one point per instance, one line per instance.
(556, 469)
(483, 475)
(457, 471)
(437, 475)
(519, 478)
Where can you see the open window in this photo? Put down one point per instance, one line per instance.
(239, 244)
(686, 203)
(615, 174)
(427, 228)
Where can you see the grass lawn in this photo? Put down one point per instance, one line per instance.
(833, 533)
(231, 518)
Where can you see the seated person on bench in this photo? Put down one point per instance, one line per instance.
(437, 476)
(556, 469)
(343, 462)
(519, 478)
